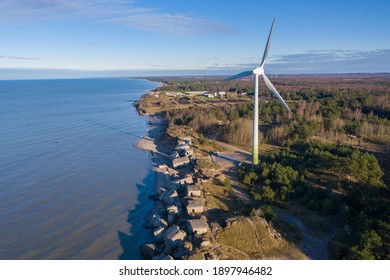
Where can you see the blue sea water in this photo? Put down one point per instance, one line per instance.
(72, 184)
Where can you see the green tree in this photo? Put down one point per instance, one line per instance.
(352, 127)
(366, 169)
(369, 248)
(267, 193)
(268, 213)
(250, 178)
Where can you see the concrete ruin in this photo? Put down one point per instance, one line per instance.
(183, 181)
(148, 250)
(184, 140)
(159, 222)
(172, 209)
(158, 234)
(169, 197)
(193, 190)
(182, 161)
(198, 226)
(174, 235)
(195, 207)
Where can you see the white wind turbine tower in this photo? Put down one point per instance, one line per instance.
(259, 71)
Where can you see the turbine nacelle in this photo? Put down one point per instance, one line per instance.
(258, 71)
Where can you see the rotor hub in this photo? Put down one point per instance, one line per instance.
(258, 71)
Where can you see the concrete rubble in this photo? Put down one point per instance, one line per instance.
(173, 232)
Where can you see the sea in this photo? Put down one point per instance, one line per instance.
(72, 183)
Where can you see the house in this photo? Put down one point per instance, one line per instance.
(198, 226)
(177, 162)
(195, 207)
(193, 190)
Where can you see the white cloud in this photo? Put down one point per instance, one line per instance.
(319, 56)
(334, 61)
(33, 10)
(123, 12)
(170, 23)
(18, 57)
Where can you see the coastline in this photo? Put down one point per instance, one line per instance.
(150, 144)
(155, 150)
(158, 156)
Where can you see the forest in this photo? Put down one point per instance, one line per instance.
(331, 155)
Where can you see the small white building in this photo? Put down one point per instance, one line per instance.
(220, 94)
(195, 93)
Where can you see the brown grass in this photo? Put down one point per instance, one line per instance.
(250, 237)
(220, 197)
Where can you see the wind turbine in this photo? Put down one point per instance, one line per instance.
(259, 71)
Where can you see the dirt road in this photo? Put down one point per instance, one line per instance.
(313, 244)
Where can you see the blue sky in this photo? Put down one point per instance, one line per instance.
(61, 38)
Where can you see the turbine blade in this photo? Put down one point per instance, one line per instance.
(274, 91)
(240, 75)
(268, 44)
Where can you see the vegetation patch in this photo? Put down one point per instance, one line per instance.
(258, 242)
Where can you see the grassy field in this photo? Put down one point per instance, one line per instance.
(258, 242)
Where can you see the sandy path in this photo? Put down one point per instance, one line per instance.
(313, 244)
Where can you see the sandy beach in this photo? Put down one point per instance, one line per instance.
(159, 154)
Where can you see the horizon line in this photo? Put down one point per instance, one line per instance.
(191, 76)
